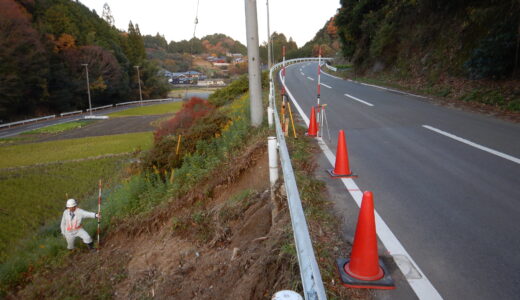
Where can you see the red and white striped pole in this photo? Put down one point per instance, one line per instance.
(283, 64)
(99, 214)
(283, 89)
(319, 75)
(319, 108)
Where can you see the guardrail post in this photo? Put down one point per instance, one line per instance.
(270, 116)
(273, 161)
(272, 146)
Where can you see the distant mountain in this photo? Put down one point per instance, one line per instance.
(178, 56)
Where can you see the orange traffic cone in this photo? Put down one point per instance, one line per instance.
(313, 127)
(341, 167)
(364, 269)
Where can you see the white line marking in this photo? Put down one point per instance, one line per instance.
(331, 75)
(376, 86)
(327, 86)
(310, 78)
(483, 148)
(302, 74)
(422, 287)
(357, 99)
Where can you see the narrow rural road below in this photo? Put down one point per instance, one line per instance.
(445, 181)
(13, 131)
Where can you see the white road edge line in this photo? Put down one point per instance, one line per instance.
(467, 142)
(376, 86)
(310, 78)
(359, 100)
(302, 74)
(422, 287)
(327, 86)
(331, 75)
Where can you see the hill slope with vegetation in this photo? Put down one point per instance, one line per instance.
(466, 50)
(177, 56)
(43, 45)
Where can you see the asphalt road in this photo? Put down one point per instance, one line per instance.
(446, 181)
(13, 131)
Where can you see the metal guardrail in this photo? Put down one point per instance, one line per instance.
(99, 107)
(27, 121)
(331, 67)
(146, 101)
(70, 113)
(310, 273)
(8, 125)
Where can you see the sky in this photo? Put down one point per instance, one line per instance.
(299, 19)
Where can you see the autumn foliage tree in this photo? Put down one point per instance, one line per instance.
(23, 65)
(42, 47)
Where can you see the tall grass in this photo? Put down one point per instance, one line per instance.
(31, 196)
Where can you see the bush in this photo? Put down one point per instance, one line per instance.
(495, 55)
(163, 157)
(192, 110)
(232, 91)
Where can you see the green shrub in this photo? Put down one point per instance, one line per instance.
(495, 55)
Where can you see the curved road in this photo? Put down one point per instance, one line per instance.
(446, 182)
(15, 130)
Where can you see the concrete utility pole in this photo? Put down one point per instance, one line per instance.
(255, 76)
(139, 81)
(88, 89)
(269, 61)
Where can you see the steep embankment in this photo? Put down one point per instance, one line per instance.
(198, 223)
(467, 51)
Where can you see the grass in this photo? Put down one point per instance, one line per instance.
(60, 127)
(14, 140)
(32, 196)
(29, 154)
(157, 109)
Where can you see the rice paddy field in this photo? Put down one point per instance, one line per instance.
(37, 177)
(158, 109)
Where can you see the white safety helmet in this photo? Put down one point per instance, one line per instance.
(286, 295)
(71, 203)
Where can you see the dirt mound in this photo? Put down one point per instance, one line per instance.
(220, 242)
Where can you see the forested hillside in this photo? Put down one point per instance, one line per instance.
(177, 56)
(43, 46)
(468, 50)
(326, 38)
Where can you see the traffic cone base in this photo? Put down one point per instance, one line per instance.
(334, 175)
(385, 283)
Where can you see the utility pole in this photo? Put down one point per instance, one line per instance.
(139, 81)
(269, 61)
(88, 89)
(253, 57)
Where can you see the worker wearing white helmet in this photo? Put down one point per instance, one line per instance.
(71, 224)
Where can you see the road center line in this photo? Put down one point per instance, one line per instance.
(483, 148)
(327, 86)
(421, 285)
(310, 78)
(359, 100)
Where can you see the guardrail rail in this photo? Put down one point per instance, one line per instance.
(310, 273)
